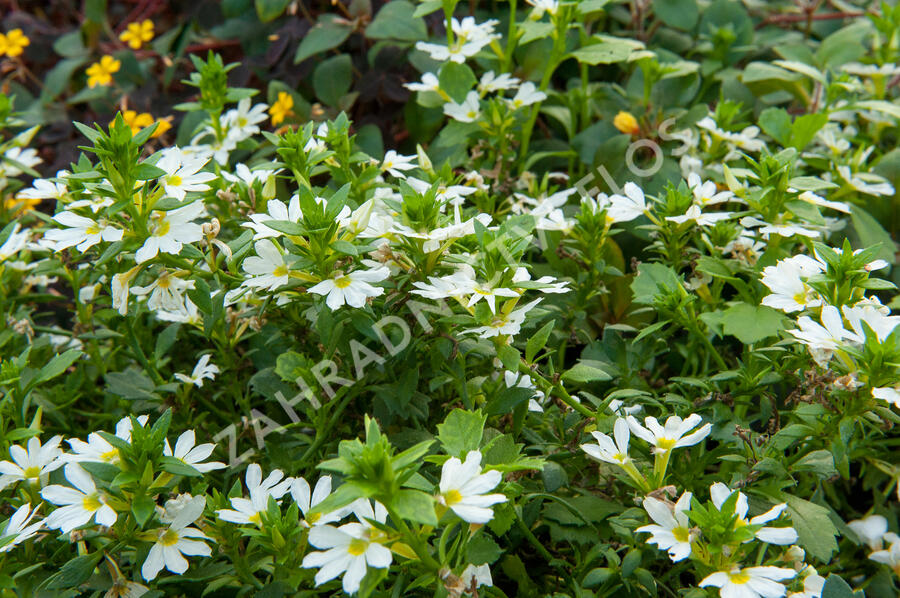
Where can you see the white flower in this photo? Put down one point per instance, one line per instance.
(15, 242)
(786, 280)
(267, 268)
(489, 294)
(190, 453)
(672, 436)
(517, 380)
(694, 214)
(527, 95)
(823, 339)
(395, 164)
(781, 536)
(813, 584)
(542, 6)
(170, 230)
(810, 197)
(429, 83)
(866, 182)
(503, 324)
(463, 488)
(624, 208)
(204, 370)
(752, 582)
(19, 527)
(277, 211)
(183, 173)
(887, 393)
(242, 174)
(490, 82)
(82, 232)
(469, 39)
(870, 530)
(120, 287)
(97, 449)
(165, 292)
(33, 463)
(247, 511)
(78, 505)
(352, 289)
(466, 112)
(177, 540)
(475, 577)
(706, 193)
(44, 189)
(881, 324)
(672, 531)
(608, 451)
(307, 500)
(891, 555)
(25, 156)
(242, 122)
(349, 549)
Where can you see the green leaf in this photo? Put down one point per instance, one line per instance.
(805, 128)
(537, 342)
(872, 233)
(269, 10)
(752, 323)
(178, 467)
(586, 371)
(606, 52)
(776, 122)
(814, 526)
(332, 79)
(681, 14)
(142, 507)
(820, 462)
(482, 550)
(456, 80)
(57, 365)
(653, 280)
(554, 476)
(146, 172)
(397, 20)
(329, 32)
(75, 572)
(461, 432)
(416, 506)
(836, 587)
(510, 357)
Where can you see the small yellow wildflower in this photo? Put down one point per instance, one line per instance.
(17, 206)
(13, 43)
(162, 125)
(137, 121)
(137, 34)
(281, 108)
(626, 122)
(100, 73)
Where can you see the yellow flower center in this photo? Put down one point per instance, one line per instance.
(313, 517)
(109, 456)
(739, 578)
(174, 180)
(91, 503)
(665, 444)
(93, 229)
(280, 271)
(169, 538)
(451, 497)
(256, 519)
(343, 282)
(163, 227)
(357, 547)
(682, 534)
(32, 472)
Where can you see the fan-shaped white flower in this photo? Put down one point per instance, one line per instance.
(781, 536)
(268, 268)
(672, 531)
(247, 511)
(78, 505)
(204, 370)
(353, 288)
(20, 528)
(671, 436)
(464, 488)
(81, 232)
(752, 582)
(177, 540)
(870, 530)
(190, 453)
(169, 231)
(32, 463)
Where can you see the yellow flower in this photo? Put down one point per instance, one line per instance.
(100, 73)
(16, 206)
(626, 122)
(162, 125)
(137, 121)
(137, 34)
(282, 107)
(13, 43)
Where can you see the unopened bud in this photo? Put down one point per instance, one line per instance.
(626, 123)
(212, 228)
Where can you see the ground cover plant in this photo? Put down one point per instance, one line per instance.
(543, 298)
